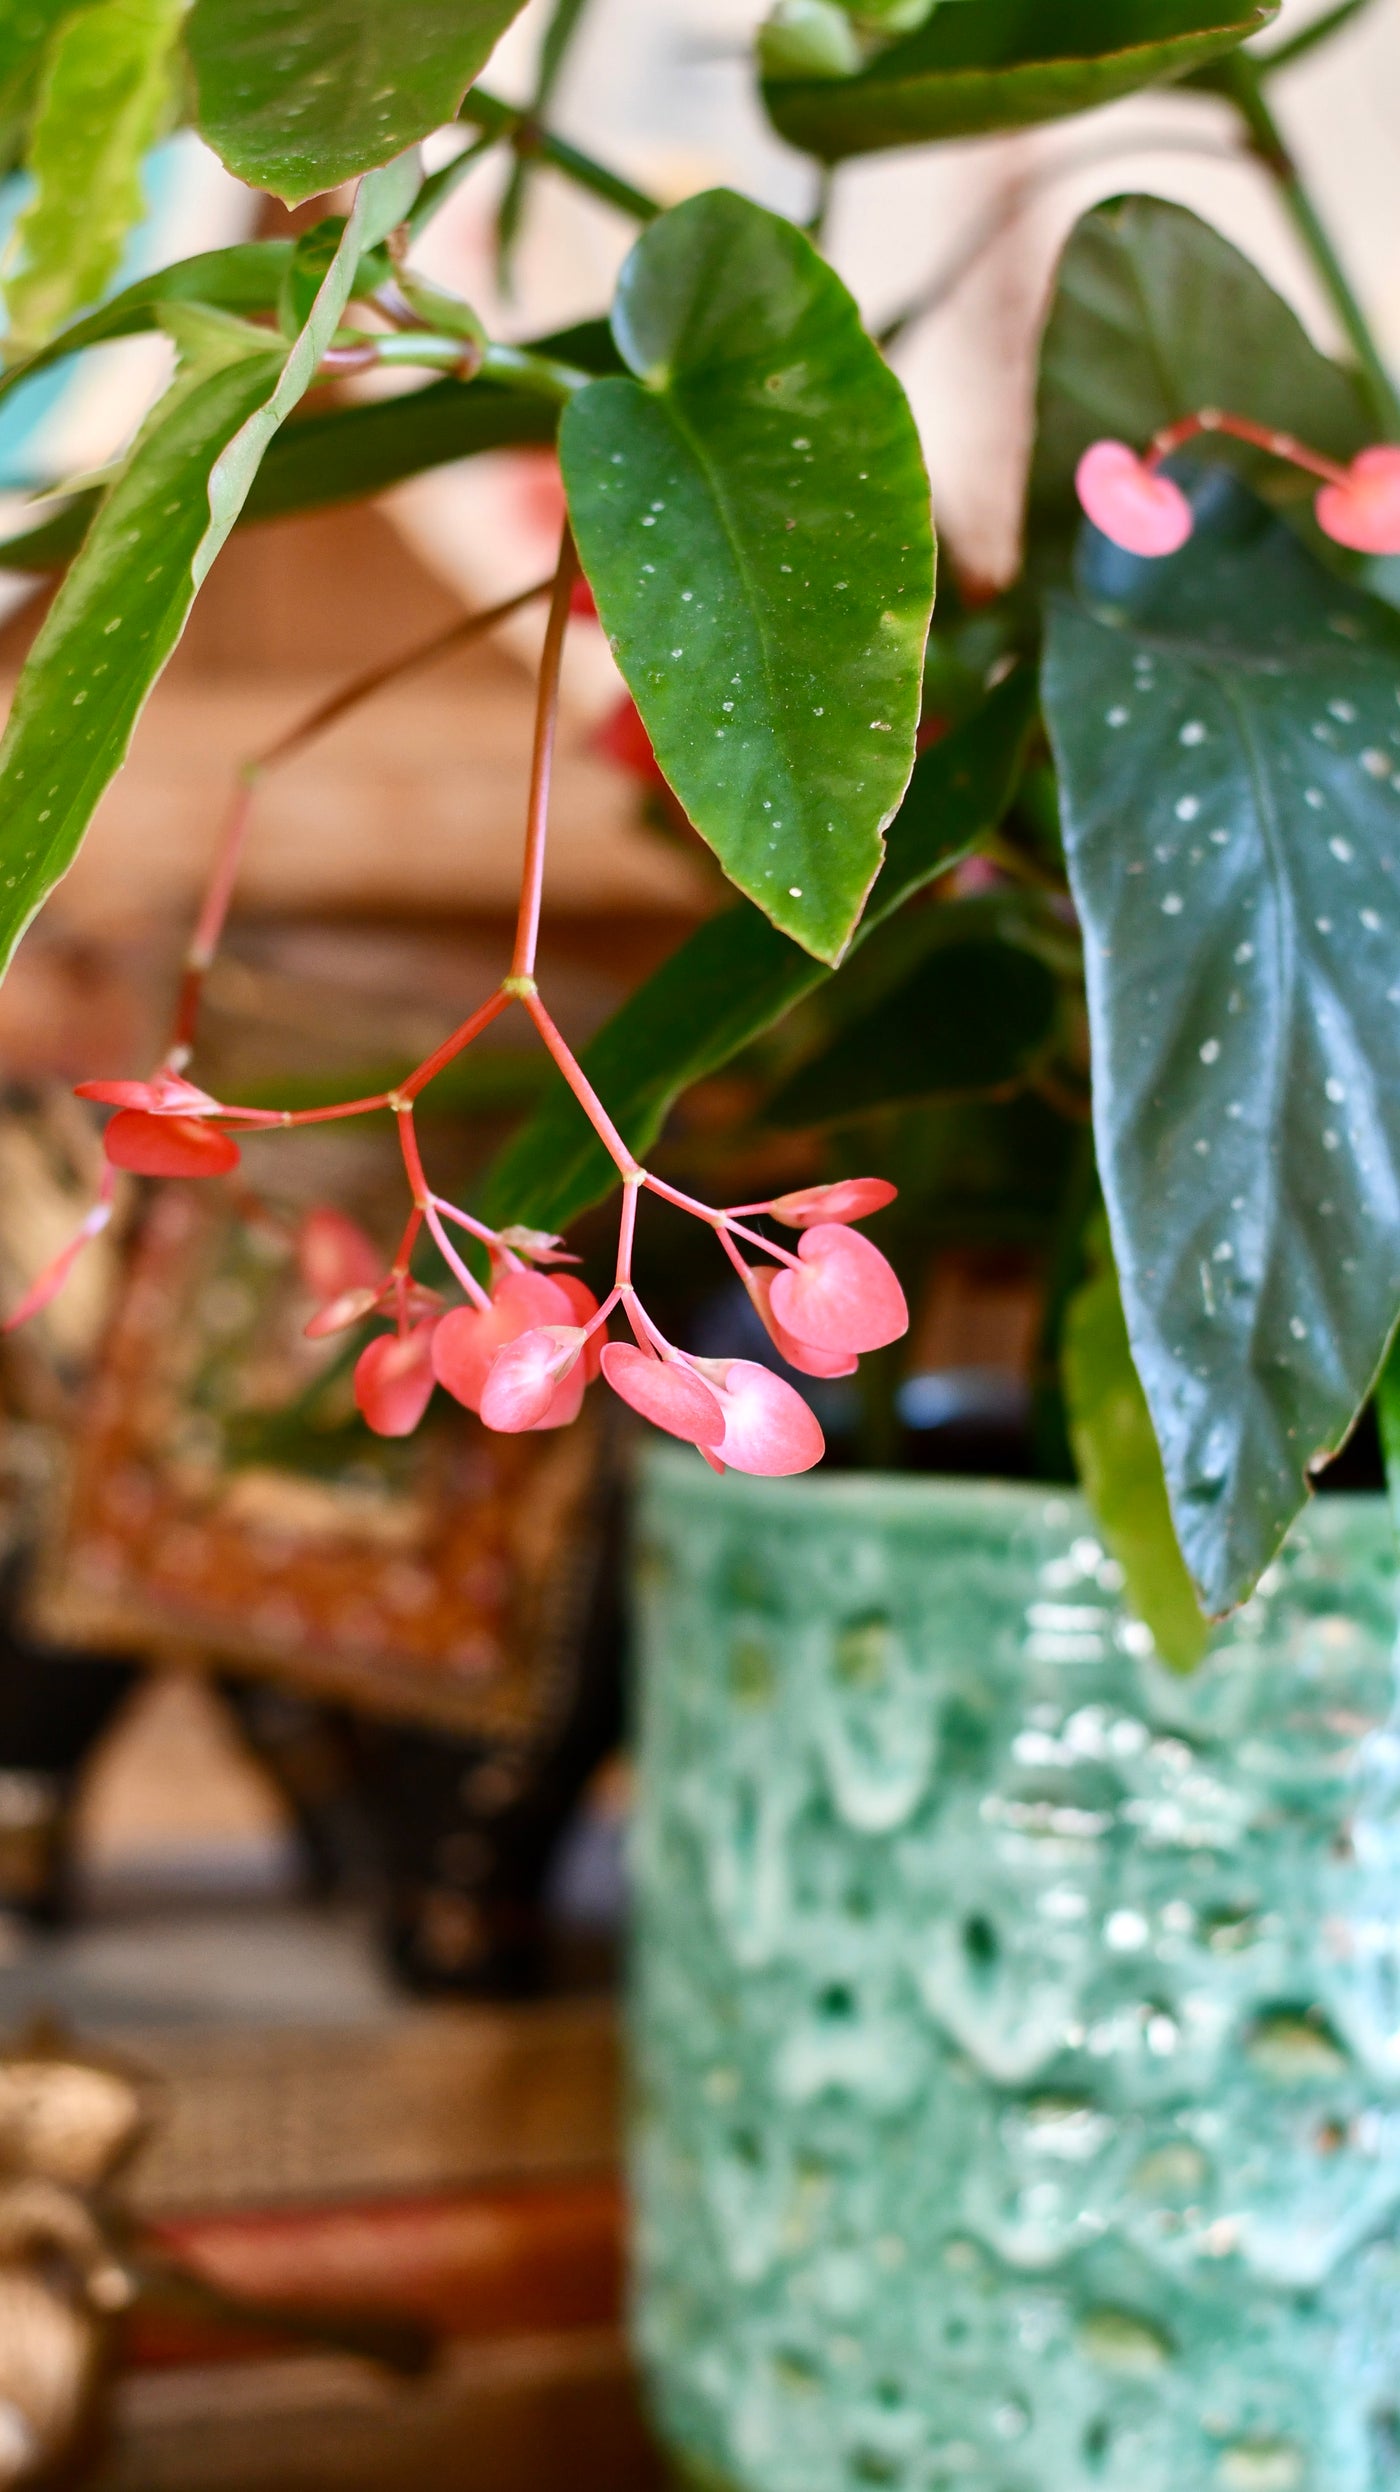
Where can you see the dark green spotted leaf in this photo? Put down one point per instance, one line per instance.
(123, 605)
(973, 1020)
(106, 89)
(1228, 739)
(1120, 1467)
(752, 512)
(1155, 315)
(1001, 64)
(736, 976)
(299, 95)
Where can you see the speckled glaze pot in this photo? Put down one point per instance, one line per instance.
(1017, 2026)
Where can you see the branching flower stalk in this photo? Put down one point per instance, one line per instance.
(521, 1350)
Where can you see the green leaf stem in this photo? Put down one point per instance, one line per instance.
(753, 515)
(299, 95)
(1002, 64)
(1228, 739)
(737, 975)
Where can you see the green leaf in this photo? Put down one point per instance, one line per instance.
(105, 93)
(1002, 64)
(27, 28)
(299, 95)
(752, 512)
(346, 453)
(1119, 1465)
(734, 977)
(1388, 1421)
(1228, 740)
(246, 277)
(973, 1020)
(1155, 315)
(123, 606)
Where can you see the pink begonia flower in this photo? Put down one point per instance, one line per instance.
(850, 1198)
(1130, 503)
(165, 1094)
(536, 1381)
(468, 1339)
(803, 1355)
(769, 1431)
(168, 1146)
(844, 1297)
(335, 1255)
(394, 1379)
(1364, 512)
(667, 1392)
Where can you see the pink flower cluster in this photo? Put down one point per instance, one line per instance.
(1135, 506)
(523, 1352)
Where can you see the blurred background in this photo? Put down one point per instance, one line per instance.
(312, 1785)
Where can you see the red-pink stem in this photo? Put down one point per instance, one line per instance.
(527, 931)
(461, 1037)
(1241, 428)
(407, 1242)
(626, 1233)
(424, 1201)
(478, 1230)
(582, 1088)
(719, 1221)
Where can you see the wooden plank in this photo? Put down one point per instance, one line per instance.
(439, 2098)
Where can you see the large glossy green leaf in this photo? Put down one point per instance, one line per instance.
(1155, 315)
(123, 606)
(1001, 64)
(753, 515)
(104, 95)
(736, 976)
(1120, 1467)
(299, 95)
(972, 1019)
(1228, 738)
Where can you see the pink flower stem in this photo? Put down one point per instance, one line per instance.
(527, 930)
(734, 1255)
(409, 1239)
(424, 1201)
(209, 926)
(461, 1037)
(1240, 428)
(596, 1322)
(582, 1089)
(479, 1230)
(649, 1335)
(626, 1232)
(719, 1221)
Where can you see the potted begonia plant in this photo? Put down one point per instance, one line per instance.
(1017, 2040)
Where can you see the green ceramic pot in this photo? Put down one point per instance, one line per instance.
(1017, 2025)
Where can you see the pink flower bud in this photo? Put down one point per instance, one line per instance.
(845, 1296)
(530, 1382)
(668, 1392)
(351, 1307)
(165, 1094)
(394, 1380)
(850, 1198)
(1130, 503)
(536, 1245)
(468, 1339)
(1364, 512)
(802, 1355)
(769, 1431)
(336, 1256)
(168, 1146)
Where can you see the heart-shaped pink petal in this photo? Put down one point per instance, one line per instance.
(803, 1355)
(165, 1094)
(1129, 502)
(769, 1431)
(168, 1146)
(850, 1198)
(666, 1391)
(843, 1298)
(467, 1340)
(523, 1385)
(1364, 513)
(394, 1380)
